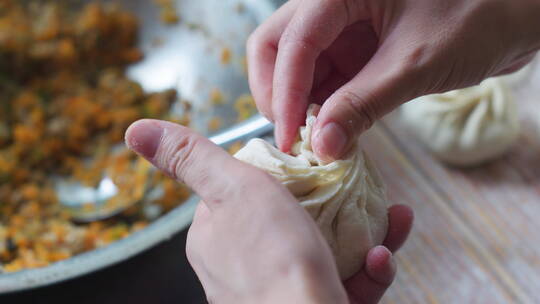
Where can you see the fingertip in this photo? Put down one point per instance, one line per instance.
(368, 285)
(403, 211)
(278, 136)
(330, 142)
(380, 265)
(187, 157)
(400, 222)
(144, 136)
(284, 140)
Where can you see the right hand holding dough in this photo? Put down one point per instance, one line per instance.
(250, 240)
(363, 58)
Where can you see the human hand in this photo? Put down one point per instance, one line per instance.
(250, 240)
(362, 58)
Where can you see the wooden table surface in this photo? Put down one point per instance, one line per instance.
(476, 237)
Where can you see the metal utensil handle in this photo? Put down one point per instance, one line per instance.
(254, 127)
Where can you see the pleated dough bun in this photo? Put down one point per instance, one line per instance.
(346, 198)
(465, 127)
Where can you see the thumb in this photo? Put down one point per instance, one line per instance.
(193, 159)
(388, 80)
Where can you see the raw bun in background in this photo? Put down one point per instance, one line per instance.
(346, 198)
(465, 127)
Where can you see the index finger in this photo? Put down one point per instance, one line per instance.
(314, 26)
(262, 49)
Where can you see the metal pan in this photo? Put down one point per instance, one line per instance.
(186, 58)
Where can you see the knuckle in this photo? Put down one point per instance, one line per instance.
(257, 40)
(363, 108)
(183, 156)
(417, 61)
(292, 37)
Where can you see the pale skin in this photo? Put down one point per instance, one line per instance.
(251, 242)
(360, 59)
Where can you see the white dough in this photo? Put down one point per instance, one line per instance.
(465, 127)
(346, 198)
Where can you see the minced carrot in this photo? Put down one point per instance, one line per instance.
(216, 97)
(235, 147)
(245, 107)
(168, 13)
(65, 104)
(214, 123)
(226, 55)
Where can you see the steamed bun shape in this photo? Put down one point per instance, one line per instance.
(346, 198)
(465, 127)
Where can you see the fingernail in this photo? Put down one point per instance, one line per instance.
(330, 141)
(144, 137)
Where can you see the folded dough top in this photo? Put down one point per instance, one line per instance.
(346, 198)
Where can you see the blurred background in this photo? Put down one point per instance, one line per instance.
(93, 224)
